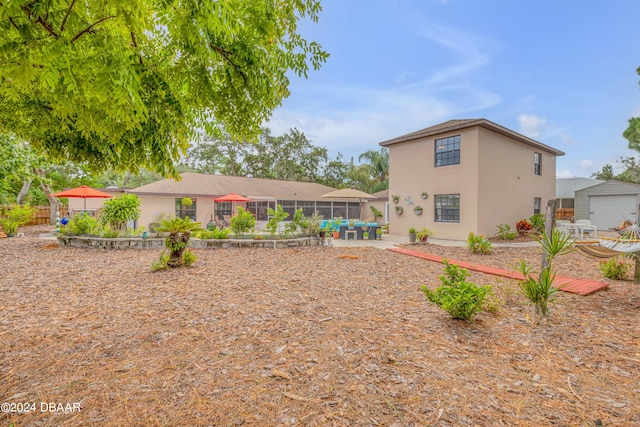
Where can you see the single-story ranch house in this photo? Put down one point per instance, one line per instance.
(165, 197)
(467, 175)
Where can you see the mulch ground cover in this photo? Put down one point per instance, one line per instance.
(303, 337)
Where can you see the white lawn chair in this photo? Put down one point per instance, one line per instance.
(562, 225)
(586, 227)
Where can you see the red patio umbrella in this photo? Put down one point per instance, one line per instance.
(232, 197)
(83, 192)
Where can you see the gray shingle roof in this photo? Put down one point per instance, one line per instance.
(566, 187)
(458, 124)
(203, 185)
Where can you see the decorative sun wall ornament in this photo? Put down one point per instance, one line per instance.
(409, 201)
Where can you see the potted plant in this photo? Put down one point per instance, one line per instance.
(395, 198)
(336, 227)
(423, 234)
(399, 210)
(412, 235)
(417, 210)
(352, 224)
(379, 233)
(365, 233)
(10, 227)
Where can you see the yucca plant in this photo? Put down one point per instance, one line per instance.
(539, 289)
(179, 230)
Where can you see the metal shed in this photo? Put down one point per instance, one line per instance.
(608, 204)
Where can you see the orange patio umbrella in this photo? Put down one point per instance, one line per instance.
(232, 197)
(83, 192)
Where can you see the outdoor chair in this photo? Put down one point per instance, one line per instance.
(563, 226)
(585, 226)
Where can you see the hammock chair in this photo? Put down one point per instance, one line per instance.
(628, 241)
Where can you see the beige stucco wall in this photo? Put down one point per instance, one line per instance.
(366, 210)
(412, 170)
(507, 183)
(486, 179)
(154, 205)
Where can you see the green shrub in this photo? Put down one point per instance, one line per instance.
(21, 214)
(537, 222)
(275, 216)
(298, 222)
(161, 262)
(479, 244)
(461, 299)
(118, 210)
(189, 258)
(16, 216)
(615, 268)
(81, 224)
(505, 233)
(243, 221)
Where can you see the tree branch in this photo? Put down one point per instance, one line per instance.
(13, 23)
(40, 21)
(135, 44)
(66, 16)
(88, 29)
(226, 55)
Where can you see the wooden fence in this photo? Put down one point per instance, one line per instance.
(41, 216)
(564, 213)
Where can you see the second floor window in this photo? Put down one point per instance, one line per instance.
(537, 163)
(448, 151)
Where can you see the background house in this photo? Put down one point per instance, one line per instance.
(165, 196)
(381, 203)
(608, 203)
(467, 175)
(566, 193)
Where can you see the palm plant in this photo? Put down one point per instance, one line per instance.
(378, 162)
(179, 230)
(539, 289)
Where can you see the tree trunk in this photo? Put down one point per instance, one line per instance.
(636, 271)
(54, 204)
(178, 244)
(23, 191)
(549, 222)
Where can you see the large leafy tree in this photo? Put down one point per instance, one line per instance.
(290, 157)
(124, 84)
(218, 155)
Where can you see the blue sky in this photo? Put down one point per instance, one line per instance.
(561, 72)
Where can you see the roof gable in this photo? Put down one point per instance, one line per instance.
(611, 187)
(459, 124)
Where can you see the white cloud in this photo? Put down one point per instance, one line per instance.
(471, 49)
(585, 164)
(532, 125)
(564, 173)
(368, 116)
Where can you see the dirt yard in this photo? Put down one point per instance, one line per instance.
(302, 337)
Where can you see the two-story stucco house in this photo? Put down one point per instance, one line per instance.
(467, 175)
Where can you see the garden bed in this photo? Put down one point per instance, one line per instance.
(155, 243)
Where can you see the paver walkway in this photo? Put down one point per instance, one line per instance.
(563, 283)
